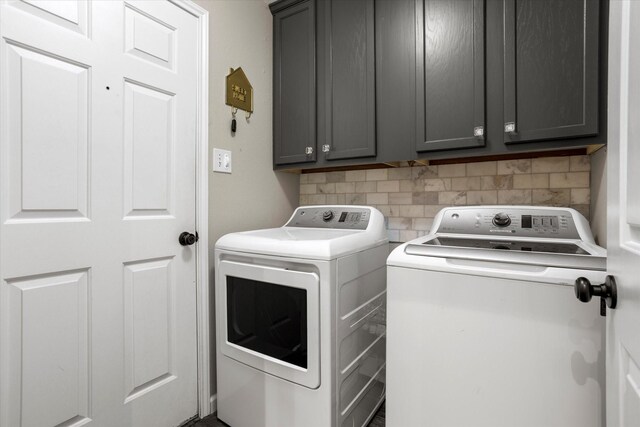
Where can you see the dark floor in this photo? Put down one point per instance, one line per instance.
(212, 420)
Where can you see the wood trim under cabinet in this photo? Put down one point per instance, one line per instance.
(423, 162)
(512, 156)
(344, 168)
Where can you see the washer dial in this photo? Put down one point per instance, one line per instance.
(501, 220)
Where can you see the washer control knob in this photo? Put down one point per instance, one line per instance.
(327, 216)
(501, 219)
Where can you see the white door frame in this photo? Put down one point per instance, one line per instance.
(205, 402)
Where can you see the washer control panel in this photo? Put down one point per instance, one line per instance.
(338, 217)
(533, 222)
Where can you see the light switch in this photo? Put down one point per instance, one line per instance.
(221, 160)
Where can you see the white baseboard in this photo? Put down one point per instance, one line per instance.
(213, 403)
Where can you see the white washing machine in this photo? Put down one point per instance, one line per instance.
(484, 328)
(300, 320)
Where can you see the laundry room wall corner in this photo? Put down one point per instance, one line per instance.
(599, 196)
(253, 196)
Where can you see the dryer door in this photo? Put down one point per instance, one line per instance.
(269, 319)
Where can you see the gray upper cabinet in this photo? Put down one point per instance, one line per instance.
(382, 81)
(294, 83)
(550, 69)
(450, 64)
(346, 79)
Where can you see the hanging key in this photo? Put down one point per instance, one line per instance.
(233, 119)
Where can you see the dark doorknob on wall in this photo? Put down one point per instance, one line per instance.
(607, 291)
(187, 239)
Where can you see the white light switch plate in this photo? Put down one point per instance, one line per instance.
(221, 160)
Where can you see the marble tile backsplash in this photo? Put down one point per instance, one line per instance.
(410, 197)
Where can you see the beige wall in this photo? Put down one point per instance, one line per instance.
(253, 196)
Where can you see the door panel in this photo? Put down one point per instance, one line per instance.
(550, 69)
(97, 297)
(396, 105)
(45, 278)
(49, 177)
(453, 115)
(346, 91)
(294, 84)
(52, 309)
(149, 288)
(157, 111)
(148, 150)
(629, 404)
(149, 39)
(72, 15)
(623, 220)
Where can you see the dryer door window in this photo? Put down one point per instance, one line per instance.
(268, 318)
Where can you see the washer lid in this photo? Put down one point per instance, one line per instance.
(547, 246)
(547, 252)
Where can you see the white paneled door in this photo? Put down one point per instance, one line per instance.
(623, 222)
(97, 181)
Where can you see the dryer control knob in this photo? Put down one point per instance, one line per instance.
(501, 219)
(327, 216)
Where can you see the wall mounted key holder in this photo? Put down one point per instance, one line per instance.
(239, 94)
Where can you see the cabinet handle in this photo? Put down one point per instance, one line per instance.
(308, 151)
(326, 148)
(510, 127)
(478, 131)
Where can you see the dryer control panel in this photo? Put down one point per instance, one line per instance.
(338, 217)
(509, 221)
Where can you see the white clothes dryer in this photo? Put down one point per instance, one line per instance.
(300, 320)
(484, 328)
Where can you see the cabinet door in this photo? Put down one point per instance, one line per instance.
(451, 75)
(294, 84)
(346, 85)
(550, 69)
(396, 96)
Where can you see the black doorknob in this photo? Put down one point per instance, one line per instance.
(187, 239)
(607, 291)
